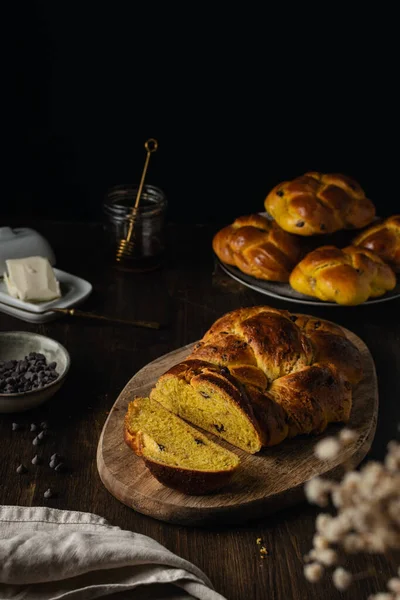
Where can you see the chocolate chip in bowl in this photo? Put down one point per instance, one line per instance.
(33, 367)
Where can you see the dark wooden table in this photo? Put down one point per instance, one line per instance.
(186, 295)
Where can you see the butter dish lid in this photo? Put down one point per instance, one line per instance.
(20, 242)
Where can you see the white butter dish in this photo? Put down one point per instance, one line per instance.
(74, 290)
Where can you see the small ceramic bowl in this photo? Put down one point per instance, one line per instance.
(16, 345)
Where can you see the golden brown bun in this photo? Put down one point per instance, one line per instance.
(384, 240)
(348, 276)
(318, 203)
(288, 374)
(258, 247)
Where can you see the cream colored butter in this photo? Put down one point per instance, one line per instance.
(31, 279)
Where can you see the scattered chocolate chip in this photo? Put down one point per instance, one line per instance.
(280, 193)
(60, 467)
(36, 441)
(57, 457)
(225, 371)
(42, 435)
(317, 324)
(204, 394)
(36, 460)
(48, 493)
(199, 442)
(219, 428)
(15, 426)
(300, 224)
(161, 447)
(21, 469)
(293, 318)
(33, 426)
(44, 425)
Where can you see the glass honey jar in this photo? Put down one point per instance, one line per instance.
(148, 226)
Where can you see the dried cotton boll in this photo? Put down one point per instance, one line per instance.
(348, 491)
(310, 556)
(322, 521)
(392, 460)
(337, 528)
(313, 572)
(394, 585)
(327, 557)
(317, 491)
(388, 487)
(381, 539)
(347, 436)
(327, 449)
(320, 542)
(353, 543)
(342, 579)
(372, 476)
(367, 517)
(394, 510)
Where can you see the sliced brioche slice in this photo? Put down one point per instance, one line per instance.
(204, 395)
(177, 454)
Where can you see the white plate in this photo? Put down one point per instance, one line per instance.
(284, 291)
(74, 291)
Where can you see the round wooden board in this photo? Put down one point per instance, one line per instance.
(264, 483)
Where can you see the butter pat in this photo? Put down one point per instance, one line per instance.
(31, 279)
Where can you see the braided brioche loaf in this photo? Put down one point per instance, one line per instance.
(384, 240)
(318, 203)
(348, 276)
(259, 247)
(261, 375)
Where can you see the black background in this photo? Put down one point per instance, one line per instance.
(238, 97)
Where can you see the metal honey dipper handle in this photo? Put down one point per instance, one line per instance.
(126, 246)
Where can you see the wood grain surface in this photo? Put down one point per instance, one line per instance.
(265, 482)
(187, 295)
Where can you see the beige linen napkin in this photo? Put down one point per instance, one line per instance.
(51, 554)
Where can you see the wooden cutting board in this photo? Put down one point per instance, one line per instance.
(271, 480)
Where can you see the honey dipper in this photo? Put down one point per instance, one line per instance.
(126, 246)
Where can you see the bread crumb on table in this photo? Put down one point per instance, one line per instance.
(263, 550)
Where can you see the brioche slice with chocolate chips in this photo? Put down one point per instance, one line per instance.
(207, 396)
(176, 453)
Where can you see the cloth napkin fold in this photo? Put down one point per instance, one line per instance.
(51, 554)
